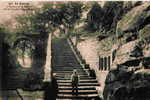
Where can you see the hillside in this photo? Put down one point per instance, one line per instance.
(113, 38)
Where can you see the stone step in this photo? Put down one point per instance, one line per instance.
(79, 88)
(82, 78)
(68, 54)
(69, 86)
(13, 85)
(69, 73)
(80, 84)
(83, 96)
(64, 55)
(62, 62)
(78, 68)
(71, 70)
(70, 59)
(63, 66)
(79, 92)
(67, 60)
(68, 77)
(70, 64)
(59, 71)
(8, 93)
(69, 99)
(66, 71)
(81, 81)
(67, 68)
(68, 50)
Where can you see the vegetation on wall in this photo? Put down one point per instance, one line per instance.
(50, 18)
(104, 18)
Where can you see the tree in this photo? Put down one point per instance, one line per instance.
(112, 13)
(49, 18)
(104, 18)
(95, 18)
(44, 21)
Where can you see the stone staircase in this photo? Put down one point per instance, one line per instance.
(64, 62)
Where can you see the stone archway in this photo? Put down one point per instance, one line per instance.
(24, 50)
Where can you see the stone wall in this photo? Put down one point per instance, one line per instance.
(47, 67)
(89, 50)
(31, 95)
(22, 95)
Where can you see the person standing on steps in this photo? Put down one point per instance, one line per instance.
(75, 82)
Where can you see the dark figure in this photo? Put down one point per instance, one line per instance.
(75, 82)
(51, 90)
(54, 87)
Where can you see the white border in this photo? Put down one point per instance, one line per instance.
(70, 0)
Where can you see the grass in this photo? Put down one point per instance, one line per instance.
(144, 33)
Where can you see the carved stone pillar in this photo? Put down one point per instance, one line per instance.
(108, 62)
(100, 63)
(105, 63)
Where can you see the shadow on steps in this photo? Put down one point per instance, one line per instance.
(50, 90)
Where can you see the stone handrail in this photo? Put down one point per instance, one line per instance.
(78, 57)
(47, 67)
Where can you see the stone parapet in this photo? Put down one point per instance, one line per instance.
(47, 67)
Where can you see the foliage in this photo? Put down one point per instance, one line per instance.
(71, 13)
(7, 36)
(112, 13)
(8, 54)
(43, 21)
(144, 33)
(50, 18)
(94, 17)
(104, 18)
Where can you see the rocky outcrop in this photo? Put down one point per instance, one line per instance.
(130, 81)
(131, 52)
(135, 19)
(104, 17)
(126, 85)
(112, 13)
(144, 33)
(123, 55)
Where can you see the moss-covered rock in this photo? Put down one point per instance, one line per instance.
(127, 85)
(145, 32)
(112, 13)
(135, 19)
(128, 5)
